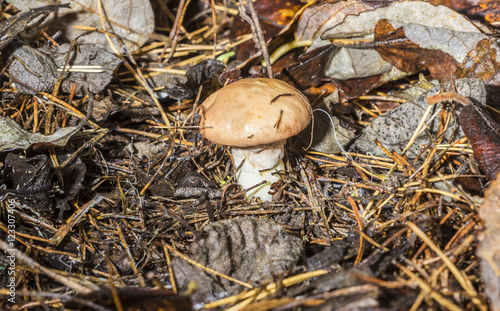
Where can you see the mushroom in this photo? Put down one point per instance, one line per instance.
(255, 116)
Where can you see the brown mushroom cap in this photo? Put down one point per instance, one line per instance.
(254, 111)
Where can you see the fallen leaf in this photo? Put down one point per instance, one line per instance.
(85, 55)
(131, 20)
(308, 71)
(489, 243)
(231, 247)
(12, 136)
(195, 76)
(329, 133)
(396, 48)
(40, 76)
(359, 62)
(27, 179)
(37, 70)
(483, 134)
(317, 19)
(395, 128)
(13, 26)
(273, 16)
(481, 63)
(353, 88)
(488, 12)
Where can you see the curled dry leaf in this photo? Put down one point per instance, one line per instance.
(483, 134)
(131, 20)
(489, 243)
(30, 179)
(12, 136)
(308, 71)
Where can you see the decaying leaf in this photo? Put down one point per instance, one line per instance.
(13, 26)
(32, 70)
(86, 55)
(37, 70)
(131, 20)
(423, 47)
(195, 76)
(27, 180)
(309, 70)
(247, 249)
(362, 62)
(395, 128)
(317, 19)
(483, 134)
(273, 16)
(487, 12)
(481, 62)
(489, 243)
(12, 136)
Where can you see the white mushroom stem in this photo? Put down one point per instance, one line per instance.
(261, 163)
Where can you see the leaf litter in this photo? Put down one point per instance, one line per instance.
(119, 204)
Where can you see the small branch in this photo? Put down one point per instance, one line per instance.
(258, 37)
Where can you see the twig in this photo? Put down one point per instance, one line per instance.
(258, 37)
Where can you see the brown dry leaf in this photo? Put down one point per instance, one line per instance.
(273, 16)
(308, 71)
(361, 62)
(12, 136)
(487, 12)
(395, 47)
(131, 20)
(481, 63)
(489, 243)
(458, 5)
(483, 134)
